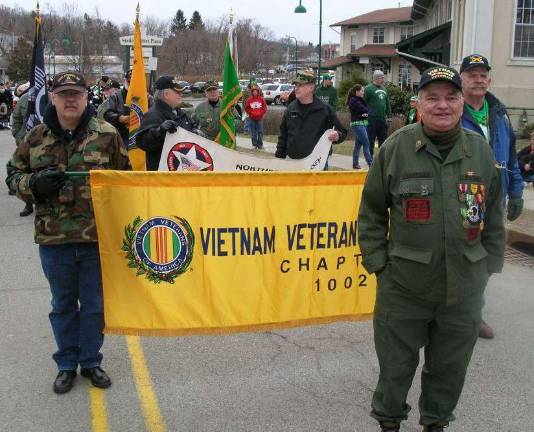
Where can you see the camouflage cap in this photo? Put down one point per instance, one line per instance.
(113, 84)
(304, 78)
(210, 85)
(69, 80)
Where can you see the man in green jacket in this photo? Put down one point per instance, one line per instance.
(327, 93)
(431, 228)
(207, 114)
(377, 98)
(18, 130)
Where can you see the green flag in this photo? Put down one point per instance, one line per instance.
(231, 95)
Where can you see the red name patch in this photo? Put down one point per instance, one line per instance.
(417, 210)
(472, 233)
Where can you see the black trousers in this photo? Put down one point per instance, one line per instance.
(376, 128)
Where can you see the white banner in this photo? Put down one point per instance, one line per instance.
(185, 151)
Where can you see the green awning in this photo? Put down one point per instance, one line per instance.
(433, 44)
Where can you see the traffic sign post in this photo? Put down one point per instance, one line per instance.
(149, 44)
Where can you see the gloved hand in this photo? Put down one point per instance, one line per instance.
(47, 182)
(515, 207)
(199, 133)
(169, 126)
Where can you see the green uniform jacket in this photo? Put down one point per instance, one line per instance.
(18, 124)
(378, 100)
(99, 147)
(207, 118)
(328, 95)
(436, 228)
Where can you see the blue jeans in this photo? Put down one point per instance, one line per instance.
(361, 139)
(77, 316)
(256, 130)
(246, 126)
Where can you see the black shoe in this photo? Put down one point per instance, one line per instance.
(389, 427)
(98, 377)
(64, 381)
(435, 428)
(28, 210)
(12, 192)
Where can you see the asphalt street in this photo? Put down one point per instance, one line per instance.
(308, 379)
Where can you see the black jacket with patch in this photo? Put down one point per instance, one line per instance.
(150, 138)
(302, 127)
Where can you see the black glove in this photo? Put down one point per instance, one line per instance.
(169, 126)
(47, 182)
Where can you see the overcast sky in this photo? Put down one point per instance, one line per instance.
(277, 15)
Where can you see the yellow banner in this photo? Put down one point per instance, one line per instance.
(212, 252)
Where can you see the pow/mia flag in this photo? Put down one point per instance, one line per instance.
(37, 95)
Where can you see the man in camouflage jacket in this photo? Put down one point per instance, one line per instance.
(70, 139)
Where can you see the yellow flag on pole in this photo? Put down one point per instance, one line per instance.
(137, 99)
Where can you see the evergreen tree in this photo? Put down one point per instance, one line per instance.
(178, 23)
(195, 22)
(19, 61)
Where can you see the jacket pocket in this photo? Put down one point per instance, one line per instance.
(475, 253)
(475, 268)
(416, 195)
(411, 268)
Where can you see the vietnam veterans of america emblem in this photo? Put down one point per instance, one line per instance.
(160, 248)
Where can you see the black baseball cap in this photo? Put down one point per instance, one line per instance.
(442, 74)
(69, 80)
(168, 82)
(474, 60)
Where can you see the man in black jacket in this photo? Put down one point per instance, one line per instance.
(165, 116)
(305, 120)
(115, 112)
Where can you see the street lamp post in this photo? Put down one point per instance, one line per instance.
(302, 9)
(296, 52)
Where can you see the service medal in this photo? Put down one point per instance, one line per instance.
(473, 214)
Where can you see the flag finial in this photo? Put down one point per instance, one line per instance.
(37, 9)
(231, 16)
(137, 11)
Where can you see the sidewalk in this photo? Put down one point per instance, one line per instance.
(521, 230)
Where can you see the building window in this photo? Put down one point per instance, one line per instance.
(406, 31)
(378, 35)
(524, 29)
(353, 42)
(379, 66)
(405, 75)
